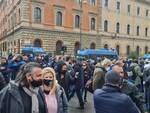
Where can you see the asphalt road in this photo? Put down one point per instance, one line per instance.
(89, 106)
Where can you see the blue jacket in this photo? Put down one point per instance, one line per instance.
(15, 65)
(110, 100)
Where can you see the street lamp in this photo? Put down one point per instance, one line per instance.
(81, 7)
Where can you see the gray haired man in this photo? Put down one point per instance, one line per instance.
(24, 96)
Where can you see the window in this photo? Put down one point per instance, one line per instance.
(128, 50)
(128, 29)
(105, 25)
(117, 28)
(5, 46)
(138, 11)
(129, 8)
(77, 1)
(8, 44)
(14, 43)
(19, 15)
(92, 2)
(138, 50)
(18, 45)
(146, 50)
(147, 13)
(37, 43)
(106, 46)
(137, 30)
(92, 45)
(14, 19)
(77, 21)
(106, 3)
(118, 49)
(118, 6)
(37, 15)
(12, 22)
(92, 23)
(9, 25)
(59, 18)
(146, 32)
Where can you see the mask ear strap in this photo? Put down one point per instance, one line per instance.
(32, 77)
(29, 75)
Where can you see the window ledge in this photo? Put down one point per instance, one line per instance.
(76, 29)
(93, 31)
(59, 27)
(38, 1)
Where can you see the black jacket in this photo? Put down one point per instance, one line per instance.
(79, 79)
(3, 69)
(11, 100)
(137, 97)
(2, 82)
(147, 92)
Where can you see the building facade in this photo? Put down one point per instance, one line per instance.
(126, 25)
(52, 24)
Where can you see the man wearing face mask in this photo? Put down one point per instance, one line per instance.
(78, 80)
(24, 96)
(14, 65)
(63, 77)
(87, 73)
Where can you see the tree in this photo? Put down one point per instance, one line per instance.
(133, 55)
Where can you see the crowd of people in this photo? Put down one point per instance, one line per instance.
(44, 84)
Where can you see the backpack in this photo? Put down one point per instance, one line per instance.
(132, 69)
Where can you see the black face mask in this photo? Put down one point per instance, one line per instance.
(46, 92)
(36, 83)
(17, 60)
(64, 72)
(47, 82)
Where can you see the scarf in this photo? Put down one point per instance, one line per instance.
(33, 94)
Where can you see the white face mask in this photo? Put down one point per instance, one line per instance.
(107, 68)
